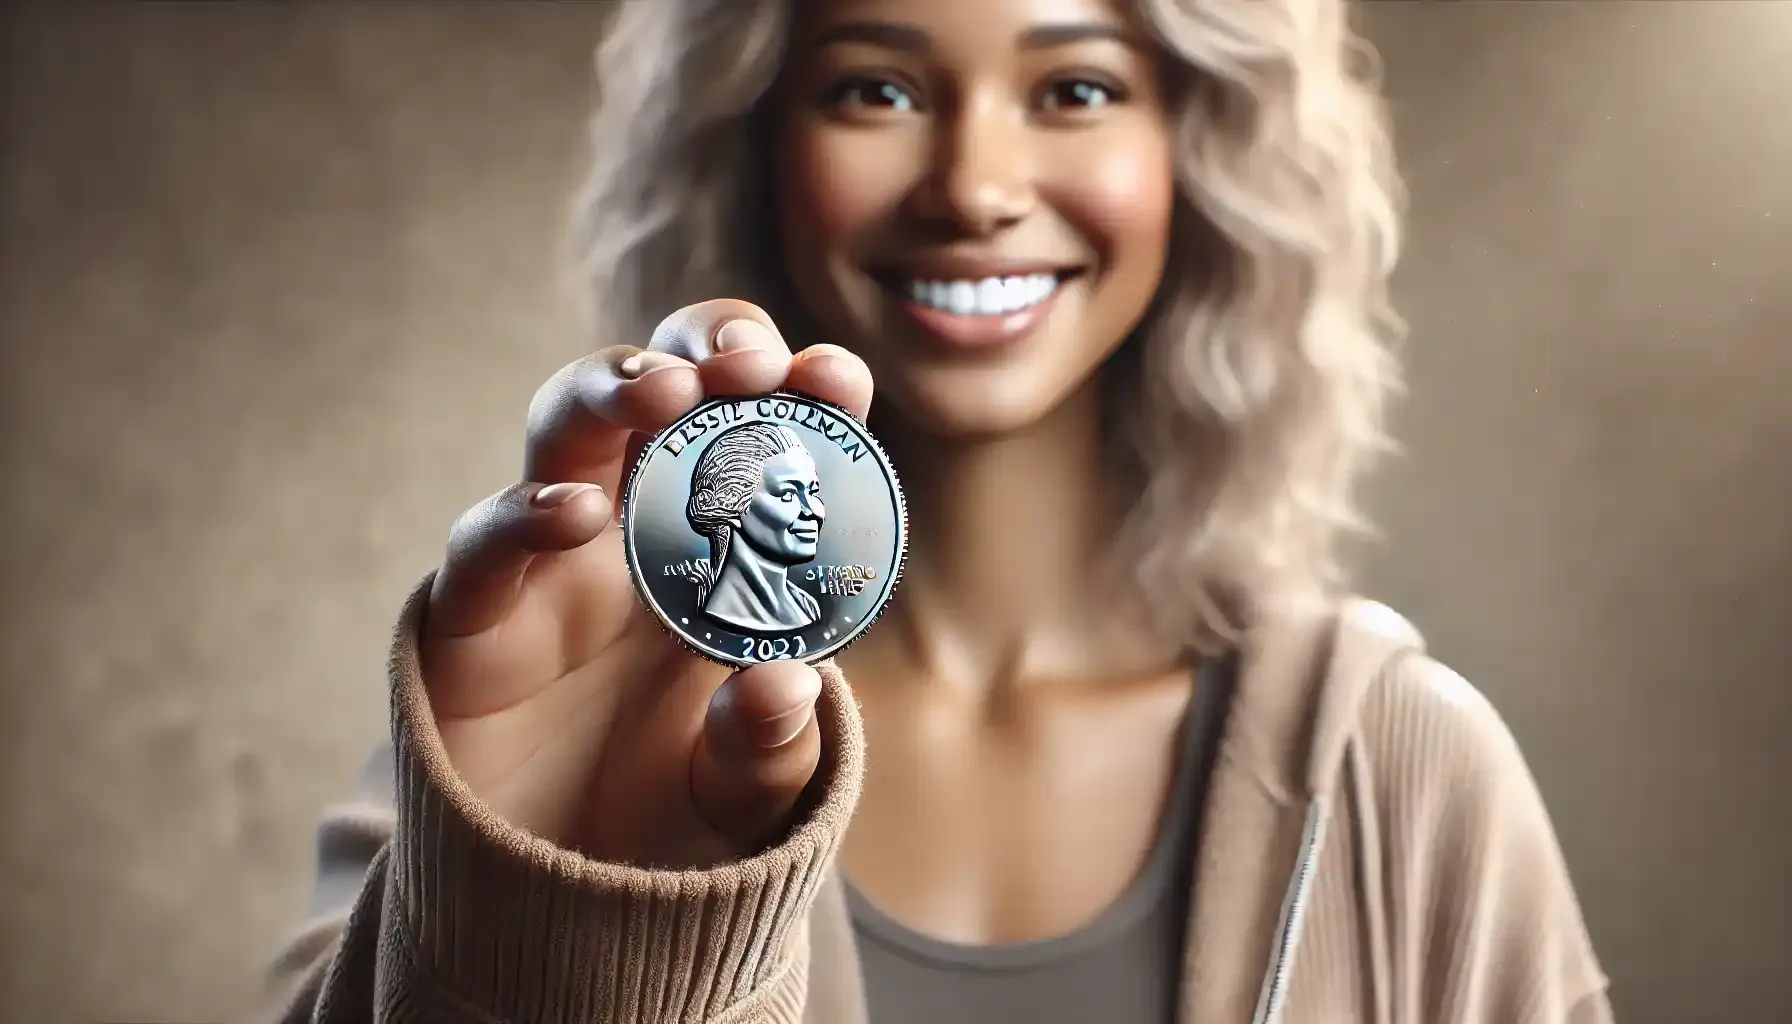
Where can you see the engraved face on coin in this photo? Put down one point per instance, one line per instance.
(761, 529)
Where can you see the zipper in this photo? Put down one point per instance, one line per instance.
(1294, 907)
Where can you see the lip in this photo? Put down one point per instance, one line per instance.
(966, 266)
(978, 332)
(974, 332)
(805, 534)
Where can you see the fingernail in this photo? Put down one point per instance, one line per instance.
(556, 495)
(771, 733)
(643, 363)
(830, 367)
(768, 733)
(737, 335)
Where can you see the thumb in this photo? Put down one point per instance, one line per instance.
(759, 748)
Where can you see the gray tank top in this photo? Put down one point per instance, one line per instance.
(1122, 968)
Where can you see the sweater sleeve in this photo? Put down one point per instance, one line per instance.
(430, 908)
(1484, 924)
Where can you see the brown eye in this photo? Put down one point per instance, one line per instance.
(866, 93)
(1079, 94)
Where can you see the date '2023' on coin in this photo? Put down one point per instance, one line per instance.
(767, 528)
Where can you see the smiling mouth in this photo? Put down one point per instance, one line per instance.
(983, 296)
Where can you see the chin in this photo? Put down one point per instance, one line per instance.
(973, 402)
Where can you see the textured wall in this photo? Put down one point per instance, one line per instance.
(278, 280)
(1595, 521)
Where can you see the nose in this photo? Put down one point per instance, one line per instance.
(812, 508)
(982, 176)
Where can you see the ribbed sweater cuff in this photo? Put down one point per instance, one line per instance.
(523, 930)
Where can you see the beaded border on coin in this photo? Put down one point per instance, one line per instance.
(638, 577)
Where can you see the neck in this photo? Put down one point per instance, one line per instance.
(1011, 575)
(763, 575)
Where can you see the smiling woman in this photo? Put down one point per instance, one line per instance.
(1118, 271)
(756, 496)
(981, 204)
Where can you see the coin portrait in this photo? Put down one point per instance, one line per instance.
(756, 495)
(765, 528)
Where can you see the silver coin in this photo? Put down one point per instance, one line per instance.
(767, 528)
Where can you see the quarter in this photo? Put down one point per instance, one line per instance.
(765, 528)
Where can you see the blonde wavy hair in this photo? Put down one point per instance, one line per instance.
(1252, 397)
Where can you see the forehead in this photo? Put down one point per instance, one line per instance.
(793, 463)
(992, 20)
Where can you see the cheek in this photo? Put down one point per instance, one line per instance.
(830, 194)
(752, 517)
(1122, 195)
(772, 512)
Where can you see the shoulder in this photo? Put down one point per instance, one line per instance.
(1444, 752)
(1417, 714)
(1441, 780)
(1355, 686)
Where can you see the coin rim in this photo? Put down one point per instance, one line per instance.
(638, 578)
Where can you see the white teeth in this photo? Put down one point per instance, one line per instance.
(992, 296)
(961, 297)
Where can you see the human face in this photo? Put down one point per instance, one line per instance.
(974, 195)
(783, 521)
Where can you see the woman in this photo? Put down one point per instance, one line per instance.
(1118, 272)
(756, 537)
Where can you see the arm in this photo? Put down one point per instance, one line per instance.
(1484, 924)
(432, 909)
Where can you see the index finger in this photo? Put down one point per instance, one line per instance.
(588, 419)
(827, 372)
(582, 419)
(690, 333)
(833, 374)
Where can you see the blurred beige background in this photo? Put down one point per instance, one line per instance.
(279, 279)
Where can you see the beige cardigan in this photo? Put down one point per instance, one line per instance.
(1373, 850)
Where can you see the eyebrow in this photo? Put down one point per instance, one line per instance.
(1042, 37)
(908, 38)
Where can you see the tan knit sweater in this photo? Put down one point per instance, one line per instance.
(1374, 850)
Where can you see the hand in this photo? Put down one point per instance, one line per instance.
(561, 701)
